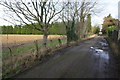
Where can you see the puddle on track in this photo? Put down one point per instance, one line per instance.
(101, 49)
(100, 53)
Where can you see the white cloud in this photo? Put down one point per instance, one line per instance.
(109, 7)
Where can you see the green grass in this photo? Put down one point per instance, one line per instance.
(28, 48)
(55, 42)
(19, 50)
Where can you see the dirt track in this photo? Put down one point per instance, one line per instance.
(89, 59)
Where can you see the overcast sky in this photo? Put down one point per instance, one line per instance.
(107, 7)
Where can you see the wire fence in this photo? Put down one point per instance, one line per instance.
(19, 58)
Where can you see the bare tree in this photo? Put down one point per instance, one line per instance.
(37, 14)
(74, 16)
(87, 7)
(70, 17)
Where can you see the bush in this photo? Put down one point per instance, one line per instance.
(111, 29)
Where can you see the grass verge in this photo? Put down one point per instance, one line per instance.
(24, 63)
(115, 47)
(27, 48)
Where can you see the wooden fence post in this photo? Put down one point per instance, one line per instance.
(45, 45)
(36, 45)
(10, 51)
(51, 41)
(60, 42)
(11, 58)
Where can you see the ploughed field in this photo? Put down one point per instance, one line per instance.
(13, 40)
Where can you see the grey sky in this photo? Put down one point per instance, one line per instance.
(107, 7)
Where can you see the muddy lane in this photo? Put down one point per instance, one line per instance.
(89, 59)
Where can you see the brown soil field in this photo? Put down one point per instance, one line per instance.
(13, 39)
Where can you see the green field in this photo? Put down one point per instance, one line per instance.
(27, 48)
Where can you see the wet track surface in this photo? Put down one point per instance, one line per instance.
(89, 59)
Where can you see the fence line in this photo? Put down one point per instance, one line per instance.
(23, 61)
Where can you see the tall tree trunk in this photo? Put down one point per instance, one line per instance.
(78, 30)
(82, 19)
(84, 29)
(45, 37)
(81, 27)
(68, 34)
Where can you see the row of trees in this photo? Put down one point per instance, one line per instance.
(77, 19)
(76, 16)
(19, 30)
(56, 29)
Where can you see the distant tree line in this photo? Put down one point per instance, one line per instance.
(19, 30)
(95, 29)
(56, 29)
